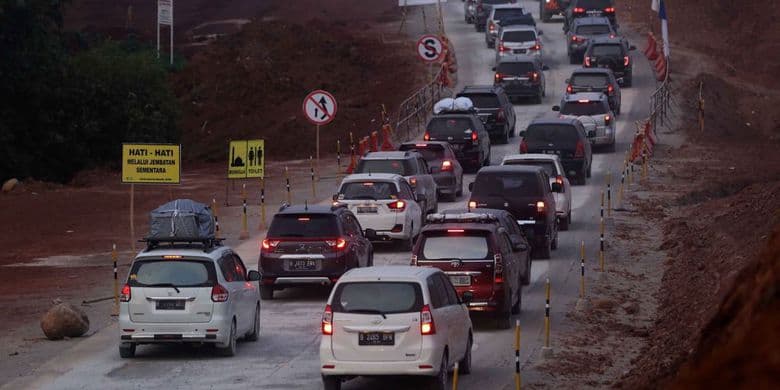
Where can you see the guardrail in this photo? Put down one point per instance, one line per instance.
(414, 111)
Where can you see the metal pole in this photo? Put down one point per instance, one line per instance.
(517, 355)
(547, 316)
(116, 281)
(582, 269)
(338, 156)
(287, 178)
(132, 213)
(601, 237)
(262, 203)
(244, 224)
(318, 151)
(171, 32)
(313, 183)
(609, 193)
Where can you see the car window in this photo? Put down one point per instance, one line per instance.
(240, 267)
(589, 80)
(590, 107)
(593, 29)
(437, 298)
(179, 272)
(429, 152)
(594, 4)
(372, 190)
(372, 297)
(449, 127)
(303, 225)
(406, 192)
(228, 267)
(483, 100)
(504, 13)
(547, 165)
(607, 50)
(465, 246)
(560, 134)
(399, 167)
(351, 226)
(515, 68)
(449, 290)
(518, 36)
(506, 185)
(423, 166)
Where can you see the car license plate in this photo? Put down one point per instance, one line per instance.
(302, 265)
(376, 338)
(170, 304)
(460, 280)
(519, 51)
(552, 152)
(366, 210)
(457, 147)
(594, 12)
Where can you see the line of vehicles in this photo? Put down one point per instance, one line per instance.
(412, 320)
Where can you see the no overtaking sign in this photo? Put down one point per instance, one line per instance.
(320, 107)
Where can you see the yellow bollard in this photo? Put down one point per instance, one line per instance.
(338, 156)
(455, 377)
(116, 282)
(517, 355)
(287, 178)
(244, 224)
(547, 316)
(582, 269)
(609, 193)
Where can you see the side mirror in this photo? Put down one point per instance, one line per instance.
(556, 108)
(545, 68)
(520, 247)
(467, 297)
(540, 32)
(253, 276)
(631, 48)
(620, 80)
(421, 197)
(591, 133)
(521, 133)
(493, 69)
(335, 197)
(371, 234)
(567, 81)
(471, 186)
(556, 187)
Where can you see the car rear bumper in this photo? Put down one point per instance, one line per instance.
(572, 167)
(521, 90)
(495, 129)
(217, 330)
(274, 271)
(446, 183)
(427, 364)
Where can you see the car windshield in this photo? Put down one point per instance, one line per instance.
(515, 68)
(398, 167)
(456, 245)
(377, 298)
(483, 100)
(178, 272)
(303, 225)
(506, 185)
(449, 127)
(497, 1)
(609, 50)
(552, 134)
(368, 190)
(593, 29)
(518, 36)
(547, 165)
(505, 13)
(594, 4)
(589, 80)
(589, 108)
(430, 152)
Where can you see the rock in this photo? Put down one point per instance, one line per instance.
(9, 185)
(64, 320)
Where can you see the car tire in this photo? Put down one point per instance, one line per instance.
(504, 138)
(617, 112)
(589, 174)
(256, 328)
(230, 349)
(464, 365)
(538, 98)
(127, 350)
(545, 250)
(266, 293)
(370, 262)
(439, 382)
(564, 222)
(517, 307)
(504, 320)
(330, 382)
(527, 278)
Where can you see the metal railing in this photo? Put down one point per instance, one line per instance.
(414, 111)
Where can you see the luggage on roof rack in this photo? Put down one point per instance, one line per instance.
(461, 104)
(461, 217)
(181, 220)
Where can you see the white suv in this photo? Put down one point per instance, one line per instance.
(188, 293)
(394, 320)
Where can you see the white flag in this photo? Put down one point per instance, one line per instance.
(655, 5)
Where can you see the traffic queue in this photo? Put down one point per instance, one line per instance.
(188, 287)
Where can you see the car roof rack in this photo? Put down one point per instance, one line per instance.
(462, 217)
(207, 244)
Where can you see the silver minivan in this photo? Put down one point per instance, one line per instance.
(188, 294)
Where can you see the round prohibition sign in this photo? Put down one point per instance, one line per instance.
(430, 48)
(320, 107)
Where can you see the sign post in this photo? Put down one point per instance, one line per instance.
(320, 108)
(164, 18)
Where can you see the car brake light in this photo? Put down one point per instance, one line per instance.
(327, 321)
(455, 230)
(337, 244)
(501, 115)
(499, 77)
(414, 261)
(579, 10)
(569, 89)
(579, 151)
(427, 327)
(559, 179)
(426, 136)
(534, 76)
(492, 27)
(609, 10)
(413, 181)
(501, 46)
(446, 165)
(125, 295)
(626, 60)
(472, 205)
(523, 146)
(498, 272)
(268, 245)
(397, 206)
(575, 38)
(540, 207)
(587, 61)
(537, 46)
(607, 119)
(474, 137)
(219, 293)
(610, 89)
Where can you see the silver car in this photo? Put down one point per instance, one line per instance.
(592, 109)
(518, 39)
(191, 293)
(497, 14)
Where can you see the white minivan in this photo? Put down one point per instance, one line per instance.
(394, 320)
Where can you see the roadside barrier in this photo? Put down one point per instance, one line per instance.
(387, 142)
(651, 51)
(262, 204)
(373, 142)
(244, 225)
(313, 179)
(287, 180)
(352, 157)
(609, 193)
(363, 146)
(582, 269)
(601, 235)
(517, 355)
(455, 376)
(116, 281)
(546, 349)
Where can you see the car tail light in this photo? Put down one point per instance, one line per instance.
(610, 89)
(523, 146)
(126, 293)
(533, 76)
(575, 38)
(474, 137)
(626, 60)
(579, 10)
(337, 244)
(219, 293)
(492, 27)
(587, 61)
(446, 166)
(501, 115)
(498, 271)
(268, 245)
(413, 181)
(579, 151)
(609, 10)
(397, 206)
(559, 179)
(501, 46)
(427, 136)
(540, 207)
(537, 46)
(427, 326)
(455, 230)
(472, 205)
(607, 119)
(327, 321)
(569, 89)
(414, 261)
(499, 77)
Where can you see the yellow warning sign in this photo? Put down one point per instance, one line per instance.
(246, 159)
(151, 163)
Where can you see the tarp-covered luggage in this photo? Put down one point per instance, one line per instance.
(182, 219)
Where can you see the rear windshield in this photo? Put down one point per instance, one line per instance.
(554, 134)
(548, 166)
(449, 246)
(589, 108)
(430, 152)
(506, 185)
(179, 273)
(504, 13)
(304, 225)
(483, 100)
(399, 167)
(607, 50)
(449, 127)
(369, 190)
(594, 4)
(377, 297)
(515, 68)
(593, 29)
(519, 36)
(589, 80)
(497, 1)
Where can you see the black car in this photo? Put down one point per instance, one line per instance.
(584, 8)
(465, 132)
(596, 80)
(521, 76)
(565, 137)
(494, 109)
(443, 163)
(311, 245)
(526, 192)
(582, 31)
(611, 53)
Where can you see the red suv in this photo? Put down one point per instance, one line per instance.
(482, 261)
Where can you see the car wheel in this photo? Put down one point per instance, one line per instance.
(513, 133)
(538, 98)
(527, 278)
(505, 137)
(229, 349)
(464, 365)
(563, 223)
(589, 170)
(267, 293)
(331, 382)
(127, 350)
(439, 382)
(371, 259)
(518, 306)
(545, 250)
(504, 319)
(256, 328)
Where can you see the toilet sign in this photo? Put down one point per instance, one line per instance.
(320, 107)
(430, 48)
(246, 159)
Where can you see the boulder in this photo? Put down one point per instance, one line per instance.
(9, 185)
(64, 320)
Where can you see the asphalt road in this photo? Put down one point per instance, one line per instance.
(287, 356)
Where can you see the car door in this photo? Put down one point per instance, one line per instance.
(234, 283)
(357, 248)
(406, 193)
(442, 313)
(457, 168)
(459, 316)
(509, 110)
(249, 293)
(430, 184)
